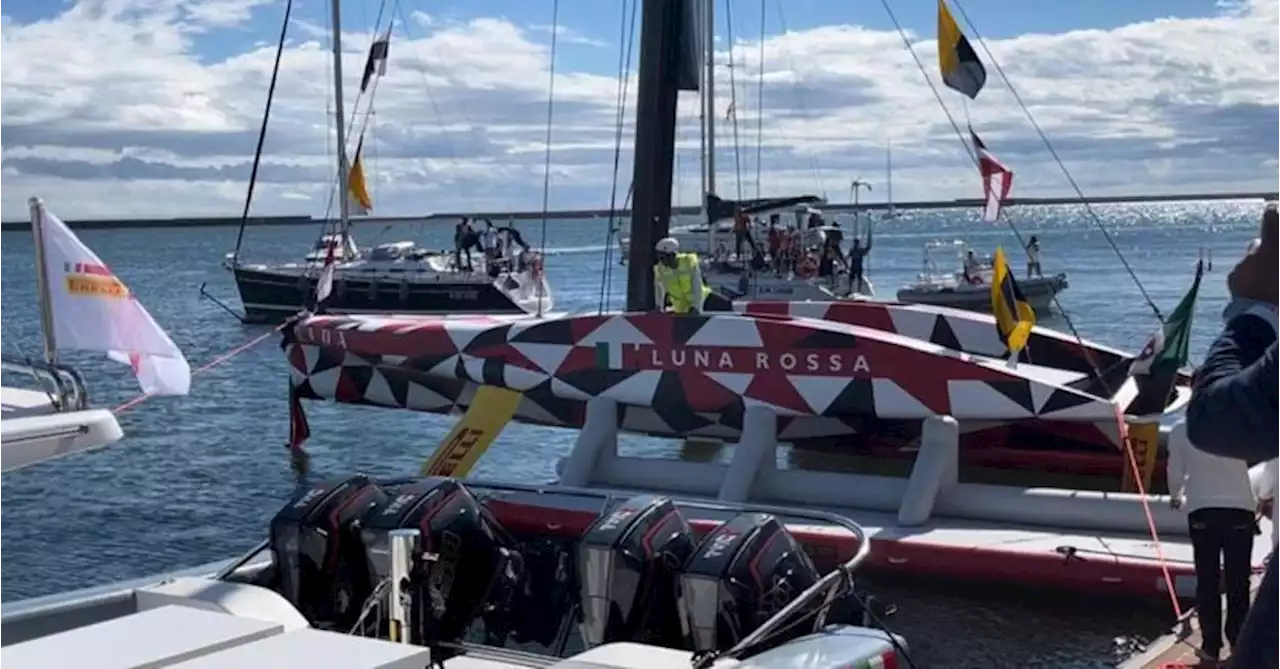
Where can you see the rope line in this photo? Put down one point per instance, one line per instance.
(627, 37)
(210, 365)
(546, 164)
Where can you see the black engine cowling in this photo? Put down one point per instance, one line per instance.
(740, 575)
(468, 565)
(628, 562)
(320, 566)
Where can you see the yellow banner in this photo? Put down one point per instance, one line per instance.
(489, 412)
(1144, 437)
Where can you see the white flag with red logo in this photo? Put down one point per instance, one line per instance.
(94, 311)
(997, 180)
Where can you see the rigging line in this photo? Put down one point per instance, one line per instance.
(212, 363)
(800, 99)
(467, 192)
(1061, 165)
(546, 165)
(626, 95)
(626, 39)
(760, 101)
(262, 133)
(973, 157)
(733, 99)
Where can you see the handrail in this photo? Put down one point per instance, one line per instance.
(72, 392)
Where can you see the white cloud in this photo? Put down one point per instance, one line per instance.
(131, 119)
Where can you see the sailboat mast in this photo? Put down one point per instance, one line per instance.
(660, 31)
(708, 98)
(340, 118)
(709, 93)
(42, 282)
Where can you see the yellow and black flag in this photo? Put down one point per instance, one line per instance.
(1014, 315)
(961, 69)
(360, 202)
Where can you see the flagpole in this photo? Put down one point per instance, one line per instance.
(42, 282)
(340, 115)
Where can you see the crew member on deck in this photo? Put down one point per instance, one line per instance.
(857, 258)
(463, 239)
(1033, 257)
(741, 234)
(678, 276)
(1218, 498)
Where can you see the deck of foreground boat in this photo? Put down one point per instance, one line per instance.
(1177, 648)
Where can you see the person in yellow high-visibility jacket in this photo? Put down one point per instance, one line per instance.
(678, 276)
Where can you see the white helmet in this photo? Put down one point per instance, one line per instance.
(667, 245)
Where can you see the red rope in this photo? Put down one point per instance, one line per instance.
(209, 365)
(1146, 508)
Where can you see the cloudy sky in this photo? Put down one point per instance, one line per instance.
(139, 108)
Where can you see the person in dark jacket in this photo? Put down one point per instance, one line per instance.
(1233, 411)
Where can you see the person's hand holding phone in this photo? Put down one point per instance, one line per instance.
(1257, 275)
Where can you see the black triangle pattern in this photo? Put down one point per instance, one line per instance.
(1017, 390)
(943, 334)
(1062, 399)
(398, 381)
(685, 327)
(858, 397)
(827, 339)
(488, 338)
(558, 331)
(564, 411)
(359, 377)
(672, 404)
(327, 358)
(595, 382)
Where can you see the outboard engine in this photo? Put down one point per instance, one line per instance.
(628, 562)
(467, 567)
(741, 574)
(319, 565)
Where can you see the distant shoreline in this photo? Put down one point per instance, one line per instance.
(581, 214)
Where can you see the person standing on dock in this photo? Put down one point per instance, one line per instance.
(1218, 498)
(1233, 410)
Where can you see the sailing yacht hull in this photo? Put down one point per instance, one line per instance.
(270, 295)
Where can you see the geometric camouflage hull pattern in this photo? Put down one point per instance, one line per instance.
(695, 375)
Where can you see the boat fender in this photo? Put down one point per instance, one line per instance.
(373, 289)
(404, 290)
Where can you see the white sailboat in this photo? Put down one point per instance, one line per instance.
(83, 306)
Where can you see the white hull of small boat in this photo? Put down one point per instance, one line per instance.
(32, 431)
(1039, 292)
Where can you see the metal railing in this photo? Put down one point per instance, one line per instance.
(64, 385)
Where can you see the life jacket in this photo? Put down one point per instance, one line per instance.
(678, 282)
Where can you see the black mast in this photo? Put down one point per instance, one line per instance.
(670, 48)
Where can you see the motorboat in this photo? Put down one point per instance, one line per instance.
(436, 572)
(52, 419)
(972, 289)
(396, 277)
